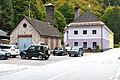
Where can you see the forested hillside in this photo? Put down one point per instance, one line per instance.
(107, 10)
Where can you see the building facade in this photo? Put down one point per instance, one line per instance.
(88, 31)
(29, 31)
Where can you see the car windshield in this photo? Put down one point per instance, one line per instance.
(60, 48)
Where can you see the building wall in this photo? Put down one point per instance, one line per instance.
(80, 32)
(29, 30)
(52, 42)
(36, 38)
(104, 40)
(111, 40)
(108, 38)
(80, 38)
(89, 42)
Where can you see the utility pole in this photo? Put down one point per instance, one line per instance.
(29, 8)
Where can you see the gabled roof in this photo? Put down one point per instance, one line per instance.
(43, 28)
(87, 17)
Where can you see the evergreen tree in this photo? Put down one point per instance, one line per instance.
(67, 10)
(6, 15)
(60, 21)
(112, 18)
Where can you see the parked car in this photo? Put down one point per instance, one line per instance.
(76, 51)
(39, 51)
(49, 51)
(12, 49)
(58, 51)
(67, 49)
(4, 54)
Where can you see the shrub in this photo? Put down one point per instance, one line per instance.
(89, 49)
(97, 48)
(116, 45)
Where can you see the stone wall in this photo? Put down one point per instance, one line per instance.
(28, 30)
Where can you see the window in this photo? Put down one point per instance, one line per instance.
(94, 44)
(31, 48)
(24, 25)
(94, 32)
(84, 44)
(84, 31)
(75, 43)
(75, 32)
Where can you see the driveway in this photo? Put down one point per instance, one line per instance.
(35, 61)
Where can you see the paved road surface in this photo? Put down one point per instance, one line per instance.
(99, 66)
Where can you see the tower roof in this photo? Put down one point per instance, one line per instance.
(49, 5)
(87, 17)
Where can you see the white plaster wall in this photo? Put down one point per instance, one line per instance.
(83, 36)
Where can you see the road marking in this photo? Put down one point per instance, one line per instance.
(62, 74)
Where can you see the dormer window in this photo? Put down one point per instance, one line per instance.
(24, 25)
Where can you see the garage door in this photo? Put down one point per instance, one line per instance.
(24, 43)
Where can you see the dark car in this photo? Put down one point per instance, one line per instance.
(39, 51)
(58, 51)
(4, 54)
(76, 51)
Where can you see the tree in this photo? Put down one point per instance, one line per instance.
(112, 18)
(6, 15)
(110, 2)
(60, 21)
(22, 8)
(67, 9)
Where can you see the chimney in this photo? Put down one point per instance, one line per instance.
(50, 13)
(77, 12)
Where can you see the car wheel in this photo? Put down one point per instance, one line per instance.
(61, 54)
(40, 57)
(82, 54)
(6, 58)
(70, 55)
(23, 56)
(46, 58)
(29, 57)
(53, 53)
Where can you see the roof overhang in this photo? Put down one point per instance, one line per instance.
(95, 23)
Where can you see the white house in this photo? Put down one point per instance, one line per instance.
(88, 31)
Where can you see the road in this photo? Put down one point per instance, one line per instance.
(35, 61)
(98, 66)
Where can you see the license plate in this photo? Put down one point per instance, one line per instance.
(72, 54)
